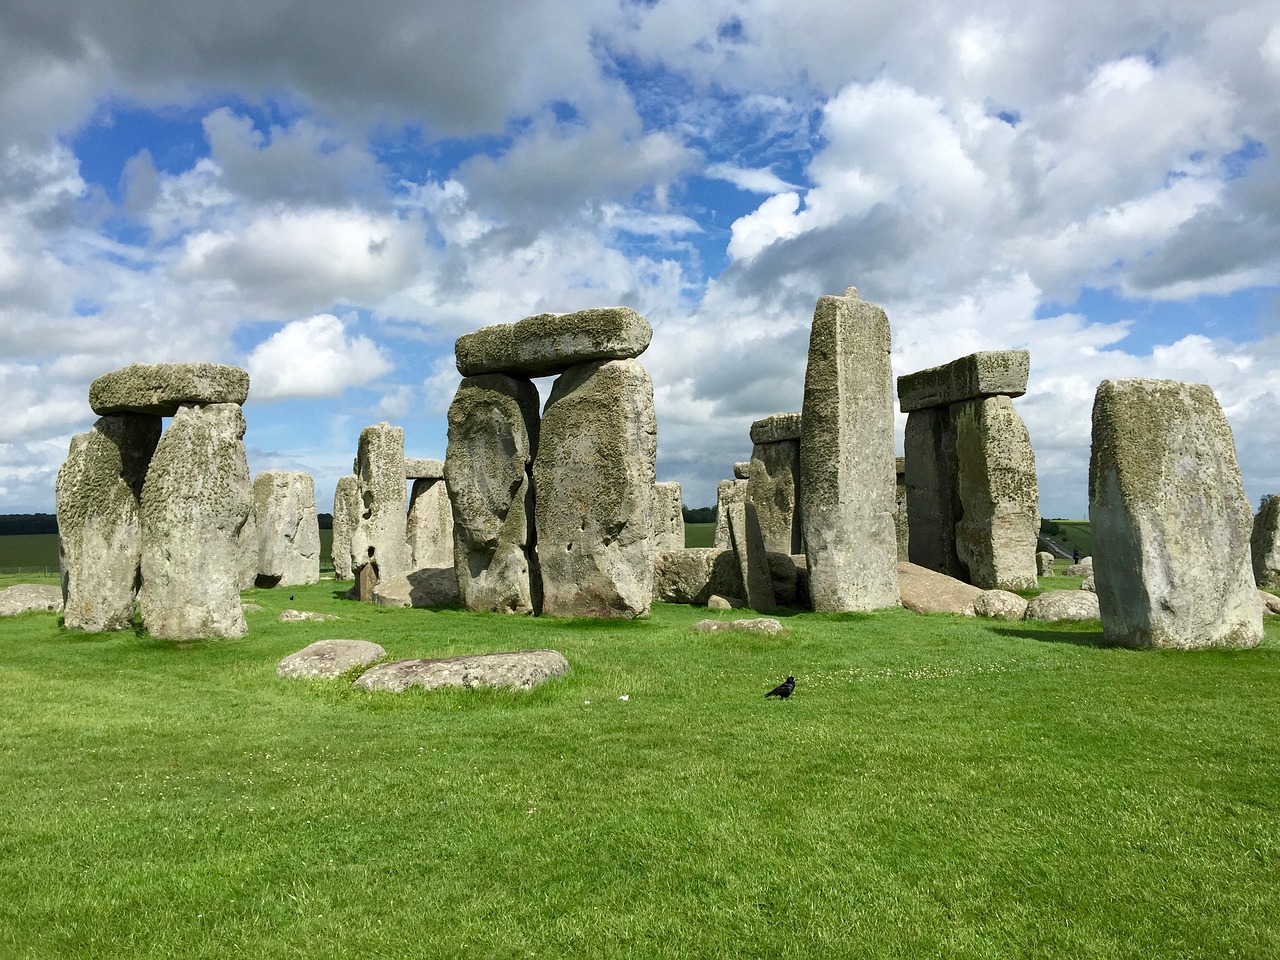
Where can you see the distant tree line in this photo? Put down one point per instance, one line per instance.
(326, 520)
(16, 523)
(1050, 528)
(699, 514)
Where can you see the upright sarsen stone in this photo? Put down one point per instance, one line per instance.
(430, 524)
(346, 512)
(933, 499)
(195, 505)
(1169, 519)
(668, 517)
(493, 436)
(594, 474)
(288, 541)
(1264, 544)
(846, 458)
(774, 488)
(99, 529)
(380, 532)
(728, 492)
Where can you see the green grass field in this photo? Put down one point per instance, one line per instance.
(699, 534)
(937, 787)
(1075, 534)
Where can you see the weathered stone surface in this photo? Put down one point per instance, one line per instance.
(551, 343)
(420, 468)
(778, 428)
(742, 470)
(784, 576)
(422, 588)
(161, 388)
(1088, 583)
(774, 488)
(1082, 569)
(430, 525)
(299, 616)
(284, 509)
(999, 496)
(28, 597)
(753, 562)
(927, 591)
(717, 602)
(346, 511)
(195, 505)
(99, 529)
(493, 436)
(1270, 602)
(1264, 544)
(985, 374)
(846, 458)
(1169, 519)
(594, 477)
(933, 499)
(380, 534)
(365, 583)
(521, 669)
(328, 658)
(1000, 605)
(1044, 564)
(695, 574)
(728, 492)
(1063, 605)
(668, 517)
(765, 625)
(901, 521)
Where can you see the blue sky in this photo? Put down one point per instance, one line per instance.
(329, 194)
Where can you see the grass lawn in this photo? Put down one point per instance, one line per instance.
(699, 534)
(937, 787)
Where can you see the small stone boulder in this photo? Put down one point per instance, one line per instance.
(1000, 605)
(717, 602)
(521, 670)
(429, 587)
(328, 658)
(160, 388)
(1044, 563)
(927, 591)
(297, 616)
(551, 343)
(1057, 605)
(26, 597)
(1088, 583)
(1270, 602)
(1082, 569)
(765, 625)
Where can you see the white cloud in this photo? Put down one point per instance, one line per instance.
(756, 181)
(313, 358)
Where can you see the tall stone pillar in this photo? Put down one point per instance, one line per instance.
(668, 517)
(288, 529)
(774, 481)
(430, 516)
(346, 512)
(380, 532)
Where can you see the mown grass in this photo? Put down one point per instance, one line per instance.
(937, 787)
(699, 534)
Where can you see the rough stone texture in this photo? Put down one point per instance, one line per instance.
(493, 436)
(695, 574)
(551, 343)
(99, 528)
(927, 591)
(380, 534)
(346, 511)
(299, 616)
(284, 509)
(774, 488)
(985, 374)
(728, 492)
(365, 583)
(1170, 520)
(742, 470)
(668, 517)
(1270, 602)
(846, 458)
(1264, 544)
(161, 388)
(901, 522)
(422, 588)
(784, 576)
(419, 468)
(430, 524)
(28, 597)
(1082, 569)
(1044, 564)
(1000, 605)
(1063, 605)
(1089, 583)
(999, 497)
(933, 500)
(778, 428)
(765, 625)
(521, 669)
(195, 505)
(717, 602)
(328, 658)
(753, 562)
(594, 477)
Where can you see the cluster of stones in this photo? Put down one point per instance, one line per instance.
(970, 474)
(554, 514)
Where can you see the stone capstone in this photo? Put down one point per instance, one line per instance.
(379, 537)
(1000, 605)
(668, 517)
(29, 597)
(346, 511)
(418, 468)
(985, 374)
(927, 591)
(778, 428)
(521, 670)
(551, 343)
(742, 470)
(1056, 605)
(421, 588)
(284, 509)
(160, 389)
(328, 659)
(430, 524)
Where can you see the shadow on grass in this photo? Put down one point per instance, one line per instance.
(1081, 638)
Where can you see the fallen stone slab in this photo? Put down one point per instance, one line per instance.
(988, 373)
(1000, 605)
(1270, 602)
(927, 591)
(25, 597)
(520, 669)
(420, 468)
(429, 587)
(328, 658)
(1059, 605)
(551, 343)
(766, 625)
(297, 616)
(160, 388)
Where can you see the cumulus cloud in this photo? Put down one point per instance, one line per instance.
(315, 357)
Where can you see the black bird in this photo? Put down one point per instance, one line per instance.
(782, 690)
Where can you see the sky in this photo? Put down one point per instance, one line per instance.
(328, 194)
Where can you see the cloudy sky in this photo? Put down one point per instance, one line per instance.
(329, 193)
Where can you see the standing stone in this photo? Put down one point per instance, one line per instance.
(668, 517)
(846, 458)
(999, 497)
(1264, 544)
(346, 511)
(284, 508)
(594, 477)
(774, 481)
(753, 560)
(493, 436)
(901, 519)
(195, 504)
(430, 524)
(933, 500)
(1044, 563)
(380, 533)
(99, 530)
(1170, 520)
(728, 493)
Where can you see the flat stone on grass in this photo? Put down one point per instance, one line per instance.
(25, 597)
(766, 625)
(1058, 605)
(519, 669)
(328, 658)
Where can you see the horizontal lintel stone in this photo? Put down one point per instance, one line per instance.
(775, 429)
(160, 388)
(550, 343)
(421, 468)
(988, 373)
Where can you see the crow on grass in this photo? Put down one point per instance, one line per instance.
(782, 690)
